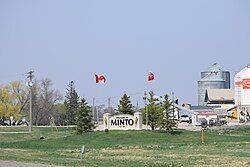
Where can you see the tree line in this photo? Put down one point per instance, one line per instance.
(50, 108)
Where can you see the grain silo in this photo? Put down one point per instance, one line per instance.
(213, 78)
(224, 74)
(211, 81)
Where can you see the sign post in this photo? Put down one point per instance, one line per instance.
(82, 152)
(202, 136)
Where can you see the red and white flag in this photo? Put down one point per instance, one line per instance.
(100, 78)
(151, 76)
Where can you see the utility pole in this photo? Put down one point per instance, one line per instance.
(146, 109)
(30, 76)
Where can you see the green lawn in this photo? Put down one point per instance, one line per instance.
(128, 148)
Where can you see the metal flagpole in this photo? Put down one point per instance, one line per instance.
(150, 77)
(109, 105)
(146, 109)
(93, 109)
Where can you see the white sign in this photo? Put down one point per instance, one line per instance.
(123, 122)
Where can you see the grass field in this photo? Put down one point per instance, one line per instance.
(128, 148)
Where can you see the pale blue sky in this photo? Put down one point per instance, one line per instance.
(124, 40)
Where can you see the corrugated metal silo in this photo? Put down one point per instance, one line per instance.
(215, 77)
(224, 74)
(211, 81)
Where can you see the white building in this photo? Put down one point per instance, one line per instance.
(242, 93)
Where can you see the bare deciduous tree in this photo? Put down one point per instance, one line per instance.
(45, 100)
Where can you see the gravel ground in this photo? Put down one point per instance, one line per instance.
(189, 127)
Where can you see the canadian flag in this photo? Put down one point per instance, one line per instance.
(100, 78)
(151, 76)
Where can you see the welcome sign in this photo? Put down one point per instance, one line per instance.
(123, 122)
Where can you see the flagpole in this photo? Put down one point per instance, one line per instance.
(109, 105)
(99, 78)
(146, 109)
(93, 109)
(150, 78)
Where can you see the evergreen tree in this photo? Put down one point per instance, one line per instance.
(153, 109)
(125, 106)
(167, 121)
(83, 118)
(71, 103)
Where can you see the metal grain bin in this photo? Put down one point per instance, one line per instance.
(224, 74)
(211, 81)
